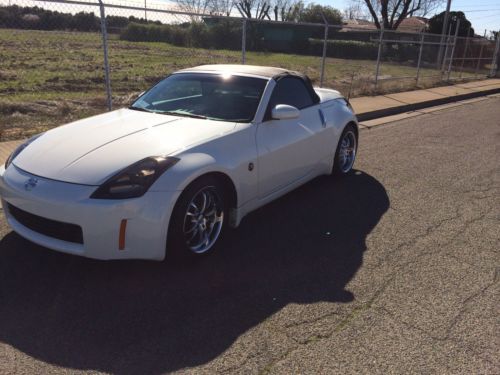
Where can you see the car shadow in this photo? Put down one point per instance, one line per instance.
(150, 317)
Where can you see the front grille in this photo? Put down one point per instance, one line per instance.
(51, 228)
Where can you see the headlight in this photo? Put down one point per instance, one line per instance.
(19, 149)
(135, 180)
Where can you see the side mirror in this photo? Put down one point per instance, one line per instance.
(285, 112)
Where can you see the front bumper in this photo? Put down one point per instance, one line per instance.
(147, 217)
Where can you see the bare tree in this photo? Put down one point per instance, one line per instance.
(429, 7)
(260, 8)
(390, 13)
(195, 6)
(222, 7)
(277, 10)
(355, 10)
(287, 10)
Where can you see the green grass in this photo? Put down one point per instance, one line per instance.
(50, 78)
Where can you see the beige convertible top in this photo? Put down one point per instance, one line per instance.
(263, 71)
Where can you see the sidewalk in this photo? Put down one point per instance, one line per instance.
(372, 107)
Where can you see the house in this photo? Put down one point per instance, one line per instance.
(414, 25)
(358, 24)
(408, 25)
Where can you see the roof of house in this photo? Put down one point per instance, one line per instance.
(410, 25)
(413, 24)
(356, 23)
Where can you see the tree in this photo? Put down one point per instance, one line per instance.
(287, 10)
(353, 11)
(195, 6)
(390, 13)
(261, 8)
(428, 7)
(436, 24)
(279, 10)
(222, 7)
(314, 13)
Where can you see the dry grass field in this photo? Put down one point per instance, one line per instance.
(51, 78)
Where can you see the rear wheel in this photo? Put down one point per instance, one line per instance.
(198, 219)
(345, 155)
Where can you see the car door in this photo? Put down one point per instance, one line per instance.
(289, 150)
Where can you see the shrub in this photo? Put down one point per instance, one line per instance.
(224, 35)
(147, 33)
(345, 49)
(198, 35)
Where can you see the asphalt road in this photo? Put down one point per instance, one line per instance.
(394, 269)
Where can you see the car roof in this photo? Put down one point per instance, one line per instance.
(267, 72)
(262, 71)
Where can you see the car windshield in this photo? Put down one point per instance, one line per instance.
(209, 96)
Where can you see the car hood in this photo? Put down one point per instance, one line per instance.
(90, 151)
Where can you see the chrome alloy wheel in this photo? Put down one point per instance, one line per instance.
(347, 151)
(203, 220)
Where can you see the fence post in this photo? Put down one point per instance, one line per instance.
(448, 39)
(467, 40)
(323, 58)
(244, 41)
(104, 33)
(479, 60)
(494, 62)
(453, 49)
(377, 69)
(420, 57)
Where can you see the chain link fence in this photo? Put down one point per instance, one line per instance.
(63, 59)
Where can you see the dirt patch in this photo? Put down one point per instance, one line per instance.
(7, 76)
(19, 120)
(22, 120)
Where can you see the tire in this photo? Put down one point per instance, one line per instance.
(198, 220)
(348, 142)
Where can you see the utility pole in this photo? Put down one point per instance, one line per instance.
(145, 11)
(443, 32)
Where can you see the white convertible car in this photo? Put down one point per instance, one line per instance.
(195, 153)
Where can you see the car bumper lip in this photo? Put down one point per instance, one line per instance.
(147, 217)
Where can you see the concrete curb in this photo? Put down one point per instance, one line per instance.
(424, 104)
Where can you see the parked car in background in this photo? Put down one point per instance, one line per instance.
(194, 154)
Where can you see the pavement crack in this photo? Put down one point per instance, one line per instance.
(310, 321)
(446, 337)
(466, 302)
(413, 241)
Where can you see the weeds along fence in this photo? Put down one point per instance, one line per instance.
(67, 59)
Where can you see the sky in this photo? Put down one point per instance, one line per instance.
(484, 14)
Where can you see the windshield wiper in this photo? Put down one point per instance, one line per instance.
(141, 109)
(182, 113)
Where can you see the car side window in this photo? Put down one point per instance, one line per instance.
(291, 91)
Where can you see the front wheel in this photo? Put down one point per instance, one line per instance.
(198, 218)
(345, 155)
